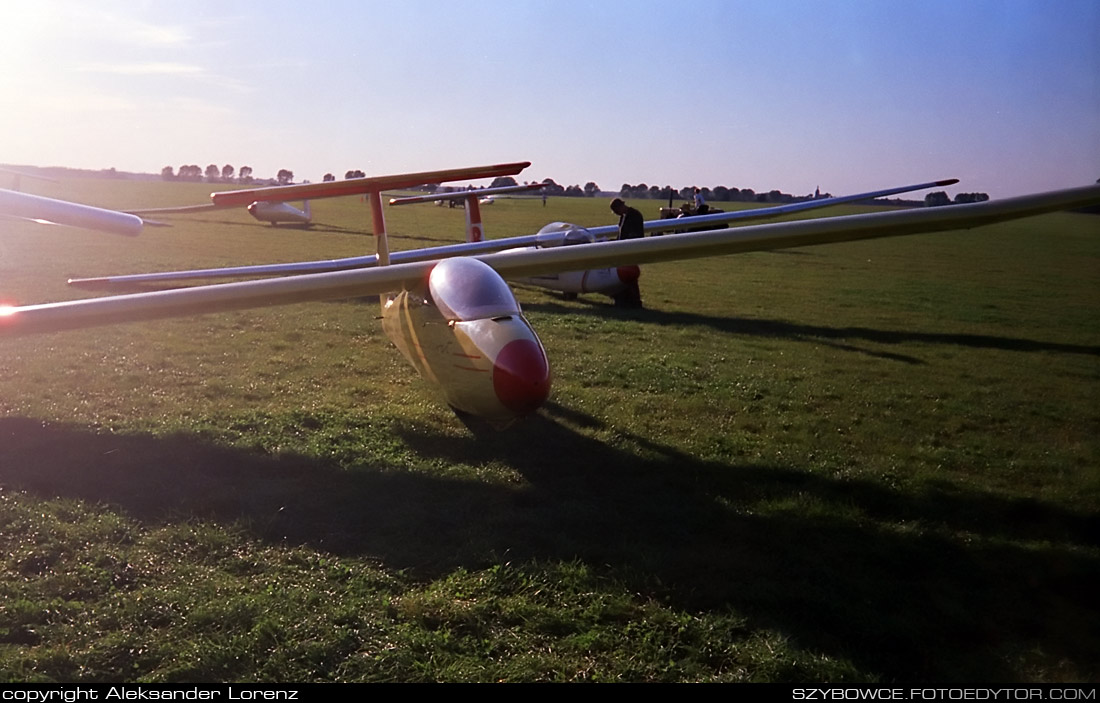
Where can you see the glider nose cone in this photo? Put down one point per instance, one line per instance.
(628, 274)
(521, 376)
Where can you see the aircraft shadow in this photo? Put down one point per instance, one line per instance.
(818, 334)
(833, 572)
(315, 227)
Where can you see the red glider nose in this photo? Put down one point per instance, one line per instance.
(628, 274)
(521, 376)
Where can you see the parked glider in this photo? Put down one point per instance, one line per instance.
(272, 205)
(458, 323)
(273, 213)
(608, 281)
(473, 199)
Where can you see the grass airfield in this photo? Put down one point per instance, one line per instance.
(873, 461)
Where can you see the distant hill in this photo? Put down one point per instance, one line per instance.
(66, 172)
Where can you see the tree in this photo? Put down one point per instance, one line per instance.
(355, 174)
(227, 173)
(245, 174)
(501, 181)
(971, 198)
(328, 177)
(190, 172)
(591, 189)
(936, 199)
(168, 173)
(551, 188)
(285, 177)
(212, 172)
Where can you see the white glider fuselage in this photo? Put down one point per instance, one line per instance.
(608, 281)
(462, 330)
(280, 213)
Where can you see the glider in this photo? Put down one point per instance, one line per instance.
(271, 204)
(608, 280)
(472, 199)
(456, 320)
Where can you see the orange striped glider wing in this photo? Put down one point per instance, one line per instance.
(359, 186)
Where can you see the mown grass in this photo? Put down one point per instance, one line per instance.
(862, 462)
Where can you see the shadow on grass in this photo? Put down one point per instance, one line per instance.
(313, 228)
(820, 334)
(944, 583)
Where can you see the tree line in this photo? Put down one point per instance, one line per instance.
(193, 172)
(225, 174)
(941, 198)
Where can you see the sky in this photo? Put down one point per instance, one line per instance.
(790, 95)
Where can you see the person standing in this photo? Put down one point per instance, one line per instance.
(631, 226)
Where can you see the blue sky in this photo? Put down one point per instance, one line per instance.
(848, 96)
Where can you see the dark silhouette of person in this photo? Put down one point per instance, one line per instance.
(631, 226)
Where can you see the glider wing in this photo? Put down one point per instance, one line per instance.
(543, 239)
(360, 282)
(460, 194)
(63, 212)
(359, 186)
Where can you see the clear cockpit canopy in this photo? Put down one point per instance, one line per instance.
(565, 234)
(466, 289)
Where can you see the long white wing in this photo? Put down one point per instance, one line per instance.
(336, 189)
(63, 212)
(347, 284)
(784, 235)
(460, 194)
(543, 239)
(358, 186)
(767, 213)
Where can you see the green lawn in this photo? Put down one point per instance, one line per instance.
(873, 461)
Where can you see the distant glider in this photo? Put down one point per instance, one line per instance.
(473, 199)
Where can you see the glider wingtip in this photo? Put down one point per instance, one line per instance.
(947, 182)
(90, 283)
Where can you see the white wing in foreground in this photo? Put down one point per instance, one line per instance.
(348, 284)
(63, 212)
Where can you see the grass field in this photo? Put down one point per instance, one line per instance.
(873, 461)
